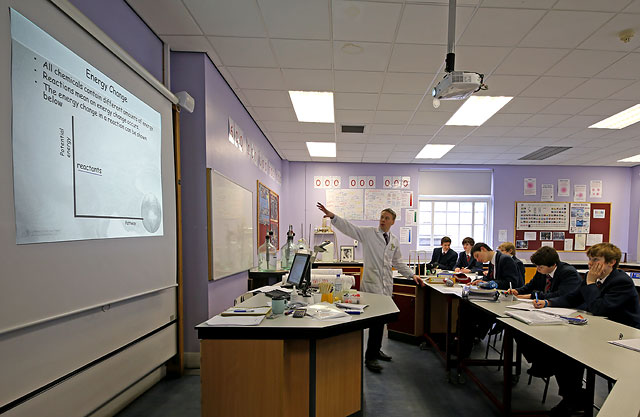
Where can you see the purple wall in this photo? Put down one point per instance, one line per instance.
(508, 188)
(204, 144)
(125, 27)
(634, 214)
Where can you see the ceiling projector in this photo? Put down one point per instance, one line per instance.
(457, 85)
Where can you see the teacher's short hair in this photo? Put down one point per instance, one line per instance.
(391, 212)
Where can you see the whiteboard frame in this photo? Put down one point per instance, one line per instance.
(210, 229)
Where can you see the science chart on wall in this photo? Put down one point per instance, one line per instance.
(86, 152)
(580, 218)
(542, 216)
(346, 203)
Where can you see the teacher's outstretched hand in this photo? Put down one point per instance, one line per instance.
(326, 212)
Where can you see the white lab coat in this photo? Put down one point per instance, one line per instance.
(378, 256)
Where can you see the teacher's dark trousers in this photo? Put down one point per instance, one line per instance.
(374, 344)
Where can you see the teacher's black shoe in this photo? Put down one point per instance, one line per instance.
(567, 408)
(373, 365)
(384, 357)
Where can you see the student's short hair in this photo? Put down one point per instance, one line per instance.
(546, 256)
(391, 212)
(508, 247)
(478, 246)
(445, 239)
(468, 240)
(608, 251)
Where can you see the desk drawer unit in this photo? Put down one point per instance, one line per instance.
(410, 301)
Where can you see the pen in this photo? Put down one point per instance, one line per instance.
(536, 297)
(242, 311)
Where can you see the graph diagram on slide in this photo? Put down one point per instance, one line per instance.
(86, 152)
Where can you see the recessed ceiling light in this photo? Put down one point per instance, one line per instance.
(619, 120)
(322, 149)
(313, 106)
(477, 110)
(635, 158)
(434, 151)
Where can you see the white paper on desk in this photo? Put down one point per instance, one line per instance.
(594, 238)
(528, 306)
(534, 318)
(529, 235)
(235, 320)
(268, 288)
(351, 306)
(451, 290)
(326, 311)
(633, 344)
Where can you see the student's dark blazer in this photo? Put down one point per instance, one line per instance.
(505, 272)
(617, 299)
(446, 261)
(565, 280)
(519, 267)
(472, 265)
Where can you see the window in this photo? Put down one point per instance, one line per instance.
(456, 218)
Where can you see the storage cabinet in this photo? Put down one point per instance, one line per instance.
(409, 299)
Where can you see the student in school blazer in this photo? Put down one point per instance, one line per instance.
(504, 271)
(565, 280)
(616, 299)
(470, 264)
(444, 261)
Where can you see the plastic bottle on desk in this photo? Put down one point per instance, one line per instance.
(337, 288)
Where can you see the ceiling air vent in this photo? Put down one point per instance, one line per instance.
(544, 153)
(352, 128)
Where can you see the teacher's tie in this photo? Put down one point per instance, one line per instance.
(386, 238)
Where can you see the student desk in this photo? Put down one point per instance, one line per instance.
(588, 345)
(287, 366)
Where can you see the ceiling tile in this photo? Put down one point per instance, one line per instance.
(243, 52)
(389, 129)
(568, 106)
(507, 85)
(408, 147)
(597, 5)
(552, 86)
(319, 137)
(417, 58)
(308, 79)
(227, 18)
(558, 132)
(276, 126)
(409, 83)
(365, 21)
(526, 105)
(166, 17)
(292, 146)
(499, 27)
(427, 23)
(530, 61)
(346, 159)
(524, 132)
(349, 154)
(358, 81)
(355, 101)
(525, 4)
(302, 19)
(357, 117)
(418, 129)
(380, 147)
(317, 127)
(267, 98)
(492, 131)
(544, 120)
(482, 59)
(374, 159)
(580, 121)
(581, 63)
(507, 119)
(399, 101)
(370, 56)
(564, 29)
(275, 113)
(630, 92)
(257, 78)
(392, 117)
(302, 53)
(505, 143)
(634, 7)
(446, 106)
(459, 131)
(626, 68)
(189, 43)
(598, 88)
(285, 136)
(350, 146)
(430, 118)
(351, 138)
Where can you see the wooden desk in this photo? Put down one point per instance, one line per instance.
(287, 366)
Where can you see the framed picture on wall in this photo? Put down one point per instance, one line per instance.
(346, 253)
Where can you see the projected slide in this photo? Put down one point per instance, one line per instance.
(86, 152)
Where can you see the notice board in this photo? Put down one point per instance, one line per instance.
(268, 214)
(556, 221)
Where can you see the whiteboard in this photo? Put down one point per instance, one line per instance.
(231, 226)
(347, 203)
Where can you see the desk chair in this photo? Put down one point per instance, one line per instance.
(242, 297)
(545, 378)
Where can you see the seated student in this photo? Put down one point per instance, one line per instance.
(467, 263)
(502, 268)
(444, 257)
(553, 278)
(606, 291)
(509, 248)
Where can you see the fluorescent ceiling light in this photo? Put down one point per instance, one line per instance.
(619, 120)
(635, 158)
(313, 106)
(322, 149)
(477, 110)
(434, 151)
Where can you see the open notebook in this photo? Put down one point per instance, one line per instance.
(534, 318)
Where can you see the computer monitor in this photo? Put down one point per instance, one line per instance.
(299, 268)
